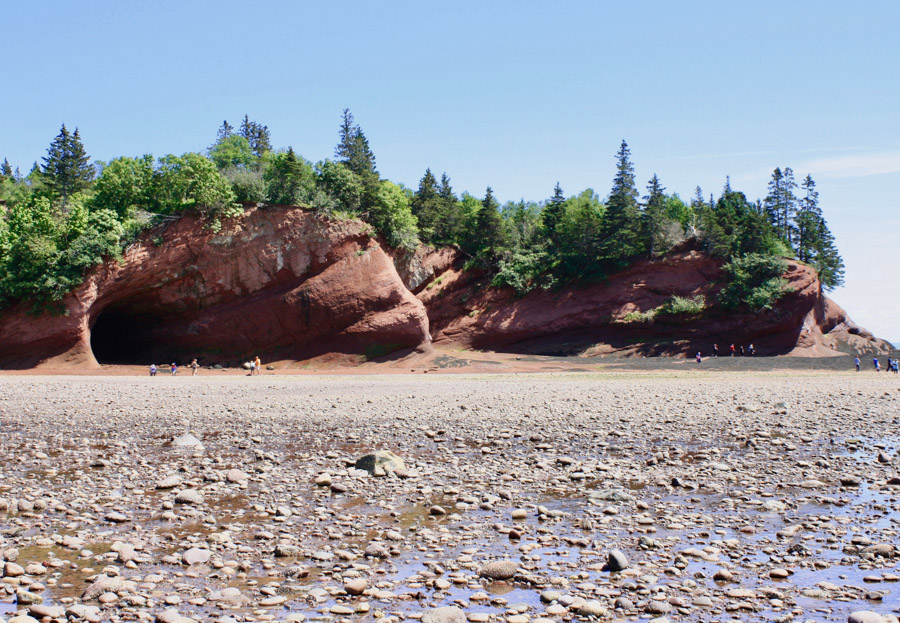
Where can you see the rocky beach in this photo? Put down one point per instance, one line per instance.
(545, 497)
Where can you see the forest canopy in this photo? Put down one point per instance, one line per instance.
(67, 215)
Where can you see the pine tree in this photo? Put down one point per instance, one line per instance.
(622, 227)
(66, 170)
(5, 169)
(655, 213)
(551, 217)
(781, 203)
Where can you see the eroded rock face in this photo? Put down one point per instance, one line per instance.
(286, 284)
(281, 282)
(593, 319)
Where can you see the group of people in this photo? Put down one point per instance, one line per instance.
(194, 366)
(751, 350)
(892, 365)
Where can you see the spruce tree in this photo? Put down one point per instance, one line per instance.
(781, 203)
(622, 231)
(224, 131)
(5, 169)
(489, 231)
(346, 137)
(257, 135)
(448, 229)
(426, 206)
(551, 217)
(814, 243)
(655, 213)
(66, 170)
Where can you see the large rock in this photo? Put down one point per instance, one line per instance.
(381, 463)
(447, 614)
(312, 286)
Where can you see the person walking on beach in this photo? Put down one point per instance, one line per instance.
(742, 350)
(174, 368)
(876, 364)
(715, 350)
(194, 366)
(856, 361)
(152, 369)
(699, 357)
(751, 350)
(731, 349)
(257, 364)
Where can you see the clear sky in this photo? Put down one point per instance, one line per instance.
(516, 95)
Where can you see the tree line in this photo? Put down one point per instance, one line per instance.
(68, 214)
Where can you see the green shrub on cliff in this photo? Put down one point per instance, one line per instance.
(754, 281)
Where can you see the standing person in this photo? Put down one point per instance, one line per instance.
(174, 368)
(731, 349)
(856, 361)
(699, 358)
(876, 364)
(742, 350)
(258, 364)
(896, 363)
(194, 366)
(152, 369)
(752, 350)
(715, 350)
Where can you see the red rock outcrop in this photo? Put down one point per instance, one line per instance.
(289, 285)
(594, 319)
(280, 282)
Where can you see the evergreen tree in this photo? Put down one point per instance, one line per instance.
(551, 216)
(353, 148)
(622, 228)
(809, 217)
(451, 218)
(426, 206)
(489, 231)
(257, 135)
(814, 242)
(66, 170)
(224, 131)
(781, 203)
(655, 213)
(5, 169)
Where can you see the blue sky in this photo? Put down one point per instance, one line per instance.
(518, 95)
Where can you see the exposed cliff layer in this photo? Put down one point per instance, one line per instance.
(288, 285)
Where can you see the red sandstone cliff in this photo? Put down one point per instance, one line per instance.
(286, 284)
(279, 282)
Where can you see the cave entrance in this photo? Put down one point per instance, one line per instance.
(125, 336)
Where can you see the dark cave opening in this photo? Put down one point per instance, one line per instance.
(123, 336)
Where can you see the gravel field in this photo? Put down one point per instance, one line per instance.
(669, 496)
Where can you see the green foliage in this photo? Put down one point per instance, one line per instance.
(353, 148)
(126, 185)
(390, 213)
(754, 281)
(682, 306)
(341, 184)
(734, 226)
(289, 179)
(247, 184)
(491, 241)
(232, 152)
(523, 270)
(192, 183)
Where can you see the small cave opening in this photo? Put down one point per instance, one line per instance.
(124, 336)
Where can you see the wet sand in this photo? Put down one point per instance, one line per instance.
(750, 494)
